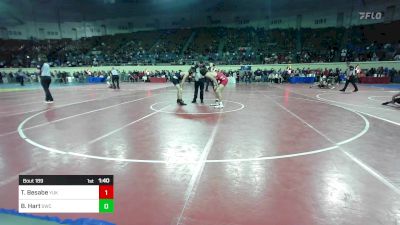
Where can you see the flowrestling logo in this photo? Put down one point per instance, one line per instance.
(371, 15)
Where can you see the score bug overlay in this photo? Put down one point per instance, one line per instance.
(66, 194)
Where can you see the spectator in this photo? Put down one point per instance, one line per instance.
(20, 77)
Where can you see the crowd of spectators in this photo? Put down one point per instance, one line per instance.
(221, 45)
(266, 75)
(283, 75)
(82, 76)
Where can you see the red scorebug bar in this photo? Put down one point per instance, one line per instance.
(106, 192)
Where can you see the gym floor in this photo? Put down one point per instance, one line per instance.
(276, 154)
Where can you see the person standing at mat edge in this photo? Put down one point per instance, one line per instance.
(21, 77)
(115, 78)
(45, 81)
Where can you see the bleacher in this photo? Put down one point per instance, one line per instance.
(219, 44)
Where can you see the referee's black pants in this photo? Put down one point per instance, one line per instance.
(115, 79)
(199, 84)
(351, 80)
(45, 81)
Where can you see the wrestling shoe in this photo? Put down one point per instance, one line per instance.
(219, 106)
(181, 102)
(215, 104)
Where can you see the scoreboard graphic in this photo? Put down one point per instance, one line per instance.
(66, 194)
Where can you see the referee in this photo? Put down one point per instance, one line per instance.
(198, 83)
(351, 78)
(45, 81)
(115, 78)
